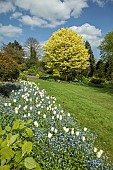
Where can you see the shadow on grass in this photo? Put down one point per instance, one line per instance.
(103, 89)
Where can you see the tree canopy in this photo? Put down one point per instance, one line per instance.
(65, 52)
(8, 68)
(106, 46)
(106, 52)
(15, 50)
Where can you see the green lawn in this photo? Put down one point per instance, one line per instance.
(93, 107)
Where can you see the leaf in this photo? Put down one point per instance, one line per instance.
(18, 156)
(16, 124)
(4, 144)
(37, 167)
(29, 132)
(8, 128)
(3, 161)
(29, 163)
(24, 134)
(2, 132)
(9, 136)
(0, 141)
(27, 147)
(0, 128)
(7, 153)
(5, 167)
(12, 139)
(29, 121)
(22, 125)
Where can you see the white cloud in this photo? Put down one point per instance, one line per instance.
(38, 22)
(16, 15)
(10, 30)
(89, 33)
(76, 6)
(101, 3)
(6, 6)
(32, 21)
(50, 13)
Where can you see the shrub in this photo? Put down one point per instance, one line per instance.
(33, 70)
(96, 80)
(45, 76)
(6, 88)
(9, 70)
(23, 77)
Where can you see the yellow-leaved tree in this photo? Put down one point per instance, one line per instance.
(65, 53)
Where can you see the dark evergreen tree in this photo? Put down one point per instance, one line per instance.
(109, 69)
(100, 69)
(91, 59)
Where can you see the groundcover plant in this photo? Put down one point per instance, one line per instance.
(58, 141)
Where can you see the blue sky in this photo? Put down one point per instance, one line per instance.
(21, 19)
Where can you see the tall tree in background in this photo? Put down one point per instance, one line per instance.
(106, 52)
(100, 69)
(32, 46)
(91, 59)
(15, 50)
(65, 53)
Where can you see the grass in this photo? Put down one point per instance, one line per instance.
(93, 107)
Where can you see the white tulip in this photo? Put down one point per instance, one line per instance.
(50, 135)
(36, 123)
(83, 138)
(95, 149)
(52, 129)
(85, 129)
(77, 133)
(44, 116)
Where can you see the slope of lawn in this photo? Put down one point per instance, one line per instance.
(93, 107)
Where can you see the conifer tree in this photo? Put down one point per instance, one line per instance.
(91, 59)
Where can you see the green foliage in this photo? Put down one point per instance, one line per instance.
(91, 59)
(23, 67)
(45, 76)
(32, 61)
(30, 163)
(15, 150)
(66, 53)
(23, 77)
(106, 52)
(6, 88)
(9, 70)
(96, 80)
(15, 50)
(32, 71)
(100, 69)
(106, 46)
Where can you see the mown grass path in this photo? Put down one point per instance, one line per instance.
(93, 107)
